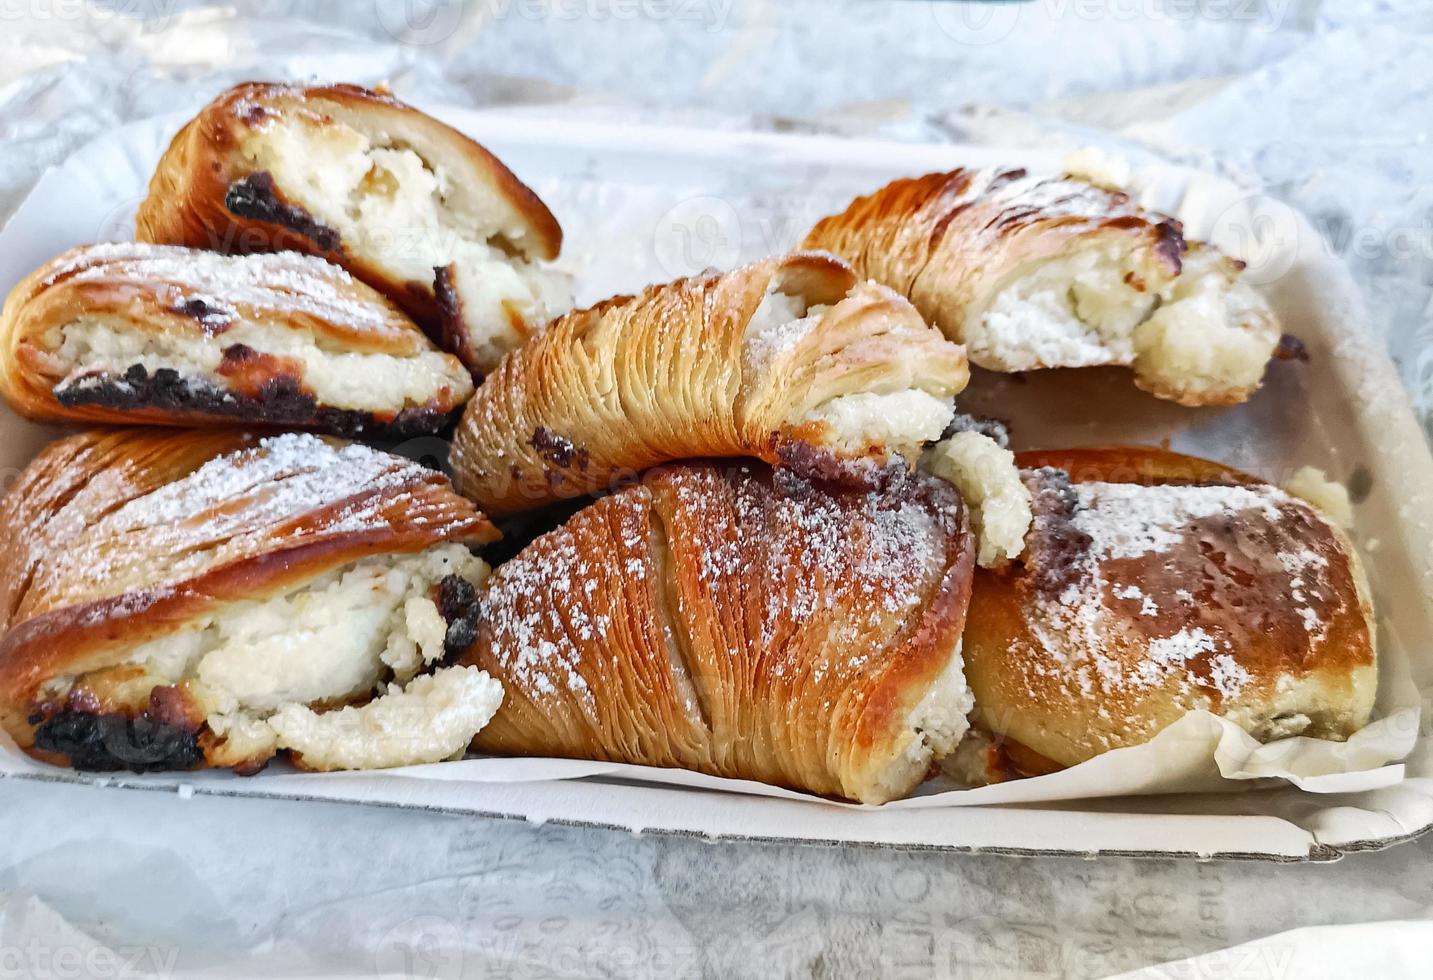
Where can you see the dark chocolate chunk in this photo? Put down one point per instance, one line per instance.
(253, 197)
(110, 742)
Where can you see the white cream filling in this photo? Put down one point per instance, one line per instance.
(989, 481)
(431, 719)
(1211, 334)
(1074, 310)
(1329, 497)
(937, 723)
(902, 420)
(391, 207)
(329, 641)
(368, 382)
(1203, 332)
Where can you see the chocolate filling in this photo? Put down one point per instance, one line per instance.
(280, 401)
(452, 329)
(1291, 348)
(996, 430)
(559, 450)
(458, 604)
(1054, 546)
(254, 197)
(110, 742)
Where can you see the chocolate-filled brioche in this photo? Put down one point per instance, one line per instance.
(407, 204)
(790, 359)
(718, 618)
(174, 600)
(1154, 584)
(1033, 271)
(123, 332)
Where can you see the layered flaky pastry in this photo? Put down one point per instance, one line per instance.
(123, 332)
(1036, 271)
(178, 600)
(717, 618)
(791, 359)
(407, 204)
(1154, 584)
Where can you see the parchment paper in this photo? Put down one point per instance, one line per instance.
(652, 204)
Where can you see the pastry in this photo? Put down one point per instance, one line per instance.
(1154, 584)
(1036, 271)
(175, 600)
(720, 618)
(163, 334)
(974, 456)
(790, 360)
(408, 205)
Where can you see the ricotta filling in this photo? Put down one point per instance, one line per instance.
(393, 208)
(902, 419)
(989, 482)
(330, 641)
(1202, 331)
(853, 424)
(95, 351)
(432, 719)
(936, 725)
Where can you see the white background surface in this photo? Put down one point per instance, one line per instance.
(1329, 108)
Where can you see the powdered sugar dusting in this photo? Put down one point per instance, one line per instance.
(849, 568)
(1212, 538)
(288, 284)
(292, 487)
(1127, 520)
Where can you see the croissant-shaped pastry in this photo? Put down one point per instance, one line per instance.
(1154, 584)
(1041, 272)
(125, 332)
(408, 205)
(789, 359)
(174, 600)
(741, 625)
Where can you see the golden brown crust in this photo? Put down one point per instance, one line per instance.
(181, 296)
(206, 194)
(111, 538)
(1130, 608)
(709, 619)
(672, 373)
(952, 242)
(946, 239)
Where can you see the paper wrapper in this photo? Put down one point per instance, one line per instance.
(648, 205)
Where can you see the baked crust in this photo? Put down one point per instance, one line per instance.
(951, 242)
(1195, 586)
(679, 372)
(715, 618)
(182, 300)
(112, 538)
(208, 192)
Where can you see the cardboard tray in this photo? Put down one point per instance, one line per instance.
(644, 204)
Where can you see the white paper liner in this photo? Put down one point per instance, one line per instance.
(620, 227)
